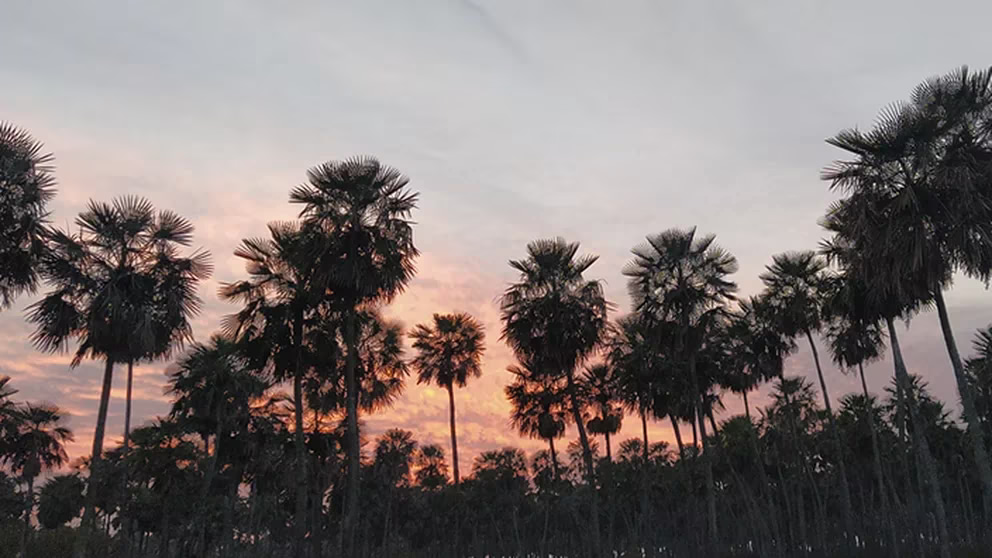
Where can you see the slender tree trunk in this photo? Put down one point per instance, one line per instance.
(877, 462)
(554, 459)
(351, 363)
(590, 466)
(747, 408)
(920, 443)
(709, 414)
(125, 526)
(695, 432)
(609, 451)
(644, 431)
(975, 434)
(454, 438)
(845, 491)
(300, 517)
(79, 549)
(699, 403)
(678, 435)
(26, 535)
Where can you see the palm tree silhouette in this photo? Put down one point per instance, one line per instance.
(796, 286)
(678, 277)
(600, 387)
(365, 206)
(448, 354)
(538, 406)
(925, 168)
(28, 184)
(554, 317)
(37, 445)
(118, 283)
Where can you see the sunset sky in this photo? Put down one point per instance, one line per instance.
(601, 122)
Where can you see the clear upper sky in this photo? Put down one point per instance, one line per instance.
(516, 119)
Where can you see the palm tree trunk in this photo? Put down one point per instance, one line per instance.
(845, 491)
(747, 408)
(351, 363)
(609, 451)
(590, 466)
(920, 442)
(125, 530)
(678, 434)
(709, 414)
(877, 458)
(644, 430)
(300, 517)
(695, 432)
(554, 458)
(454, 439)
(89, 508)
(968, 402)
(699, 404)
(26, 535)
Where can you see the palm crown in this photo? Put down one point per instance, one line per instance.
(450, 352)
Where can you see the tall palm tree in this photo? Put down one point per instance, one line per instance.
(796, 286)
(37, 445)
(27, 184)
(538, 407)
(682, 278)
(855, 337)
(554, 317)
(979, 369)
(279, 301)
(118, 282)
(926, 167)
(601, 388)
(855, 248)
(449, 352)
(366, 206)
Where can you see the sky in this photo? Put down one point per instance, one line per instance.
(601, 122)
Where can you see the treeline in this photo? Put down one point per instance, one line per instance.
(263, 452)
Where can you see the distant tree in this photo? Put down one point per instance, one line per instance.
(538, 408)
(431, 468)
(37, 445)
(449, 352)
(60, 500)
(27, 184)
(600, 386)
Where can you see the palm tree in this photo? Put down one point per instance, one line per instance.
(118, 283)
(600, 387)
(365, 206)
(38, 445)
(680, 278)
(757, 348)
(854, 335)
(213, 388)
(554, 317)
(279, 301)
(538, 407)
(925, 166)
(796, 287)
(432, 470)
(26, 186)
(639, 349)
(448, 354)
(979, 369)
(855, 248)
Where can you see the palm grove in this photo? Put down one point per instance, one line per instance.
(264, 451)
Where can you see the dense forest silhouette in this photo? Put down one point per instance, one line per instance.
(264, 451)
